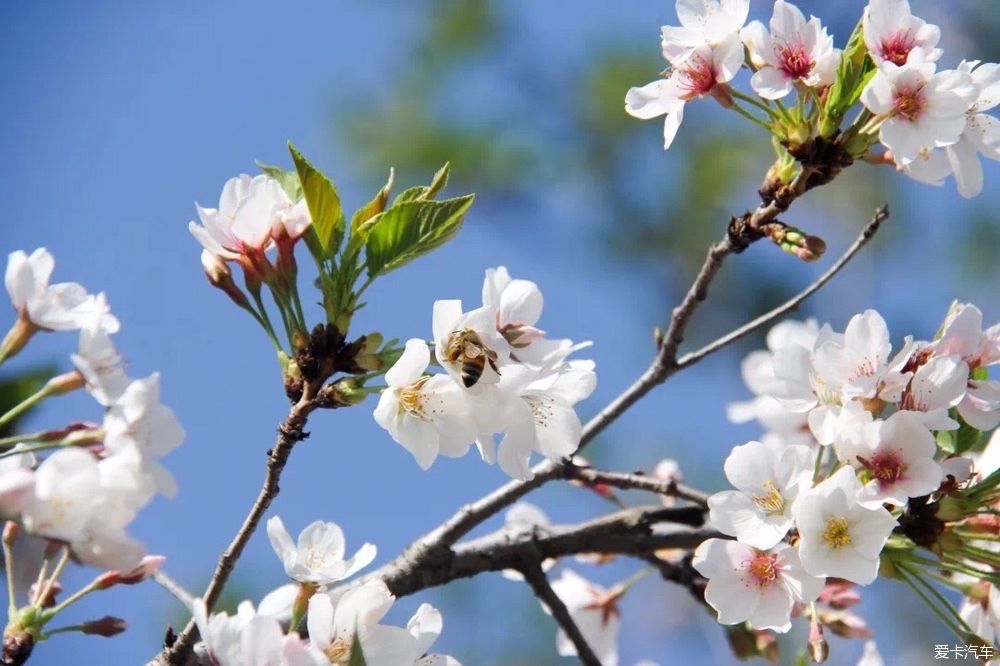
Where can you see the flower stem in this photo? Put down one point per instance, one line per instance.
(68, 601)
(948, 620)
(749, 99)
(53, 579)
(749, 116)
(26, 404)
(8, 564)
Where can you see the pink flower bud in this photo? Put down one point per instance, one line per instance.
(149, 565)
(107, 626)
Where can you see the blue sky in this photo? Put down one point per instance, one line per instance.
(120, 115)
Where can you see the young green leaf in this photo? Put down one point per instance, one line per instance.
(373, 207)
(288, 179)
(410, 229)
(423, 192)
(853, 74)
(327, 229)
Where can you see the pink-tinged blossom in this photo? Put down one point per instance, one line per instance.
(795, 51)
(898, 454)
(759, 586)
(318, 557)
(921, 109)
(891, 32)
(98, 360)
(936, 386)
(963, 335)
(981, 135)
(838, 536)
(252, 212)
(58, 307)
(768, 481)
(705, 70)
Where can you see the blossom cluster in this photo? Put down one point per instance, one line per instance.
(931, 122)
(502, 376)
(338, 621)
(76, 489)
(869, 453)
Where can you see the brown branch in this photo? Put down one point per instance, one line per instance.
(880, 216)
(535, 577)
(290, 432)
(591, 476)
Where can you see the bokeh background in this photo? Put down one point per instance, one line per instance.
(119, 115)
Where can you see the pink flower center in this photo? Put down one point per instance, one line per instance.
(763, 569)
(886, 467)
(896, 49)
(697, 77)
(908, 103)
(794, 61)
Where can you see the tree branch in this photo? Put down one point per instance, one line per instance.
(880, 216)
(626, 481)
(174, 588)
(290, 432)
(535, 577)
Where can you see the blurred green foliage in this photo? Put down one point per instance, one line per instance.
(16, 388)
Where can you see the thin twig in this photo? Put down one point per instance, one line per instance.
(881, 215)
(174, 588)
(535, 577)
(635, 482)
(290, 432)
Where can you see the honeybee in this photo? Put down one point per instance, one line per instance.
(467, 347)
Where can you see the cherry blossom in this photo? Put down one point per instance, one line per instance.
(518, 306)
(17, 481)
(922, 109)
(476, 327)
(891, 32)
(334, 623)
(595, 612)
(839, 536)
(252, 211)
(898, 453)
(795, 51)
(137, 420)
(963, 335)
(768, 481)
(249, 638)
(98, 360)
(427, 415)
(58, 307)
(703, 23)
(318, 557)
(704, 70)
(937, 386)
(747, 584)
(538, 411)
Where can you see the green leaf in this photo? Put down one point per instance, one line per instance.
(328, 224)
(410, 229)
(357, 656)
(945, 441)
(373, 207)
(855, 70)
(439, 182)
(410, 194)
(288, 179)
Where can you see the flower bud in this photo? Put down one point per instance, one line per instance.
(818, 648)
(107, 626)
(18, 335)
(147, 566)
(846, 625)
(221, 277)
(64, 383)
(51, 596)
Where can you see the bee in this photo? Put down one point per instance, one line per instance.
(467, 347)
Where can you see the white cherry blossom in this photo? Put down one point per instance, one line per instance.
(891, 32)
(937, 386)
(539, 417)
(139, 421)
(59, 307)
(768, 481)
(702, 23)
(318, 557)
(839, 536)
(335, 622)
(963, 335)
(795, 51)
(17, 481)
(98, 360)
(479, 327)
(922, 109)
(518, 306)
(427, 415)
(747, 584)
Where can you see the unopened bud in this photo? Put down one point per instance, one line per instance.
(107, 626)
(846, 624)
(818, 648)
(839, 594)
(220, 276)
(796, 242)
(64, 383)
(51, 595)
(10, 532)
(859, 144)
(343, 393)
(18, 335)
(147, 566)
